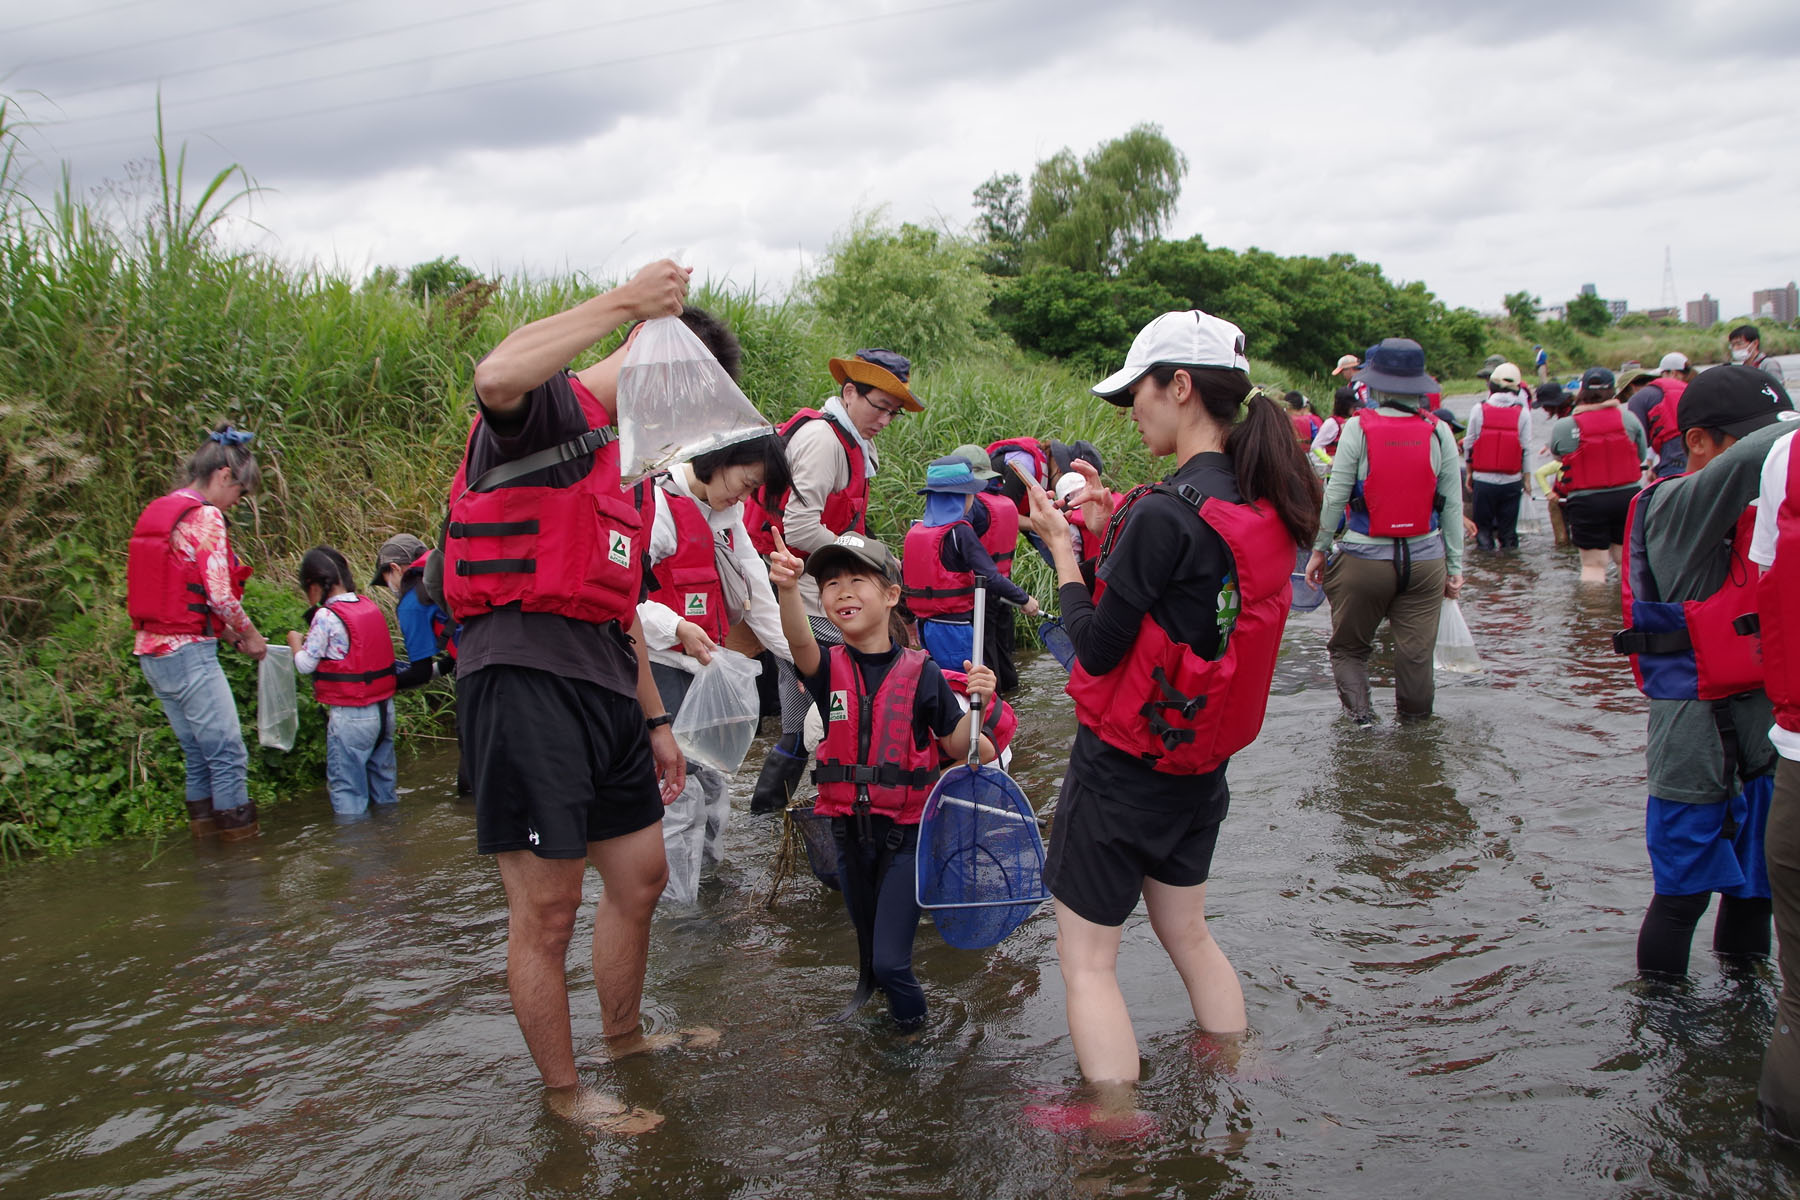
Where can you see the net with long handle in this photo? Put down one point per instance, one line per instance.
(979, 870)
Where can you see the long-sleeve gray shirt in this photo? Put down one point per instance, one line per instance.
(1351, 465)
(1687, 521)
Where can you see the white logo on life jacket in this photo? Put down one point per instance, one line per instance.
(533, 835)
(840, 710)
(696, 604)
(618, 548)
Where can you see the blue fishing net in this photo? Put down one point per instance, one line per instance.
(821, 845)
(980, 866)
(1306, 596)
(1056, 641)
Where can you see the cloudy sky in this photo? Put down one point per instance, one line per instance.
(1482, 148)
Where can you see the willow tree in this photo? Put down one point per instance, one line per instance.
(1092, 214)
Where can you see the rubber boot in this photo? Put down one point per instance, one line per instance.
(781, 773)
(200, 818)
(237, 824)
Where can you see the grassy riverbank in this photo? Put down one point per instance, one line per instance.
(128, 325)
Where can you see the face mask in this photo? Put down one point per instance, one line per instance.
(1740, 355)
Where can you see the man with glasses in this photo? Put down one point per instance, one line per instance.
(831, 453)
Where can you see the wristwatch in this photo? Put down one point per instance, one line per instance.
(665, 719)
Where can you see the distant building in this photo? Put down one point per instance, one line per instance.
(1617, 308)
(1703, 312)
(1587, 289)
(1661, 314)
(1776, 304)
(1553, 312)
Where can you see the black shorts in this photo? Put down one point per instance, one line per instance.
(1102, 847)
(555, 763)
(1596, 520)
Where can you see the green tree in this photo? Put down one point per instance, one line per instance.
(1093, 214)
(438, 278)
(1522, 307)
(913, 289)
(1588, 314)
(1085, 318)
(1000, 203)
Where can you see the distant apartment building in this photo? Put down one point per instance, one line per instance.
(1703, 312)
(1617, 308)
(1776, 304)
(1661, 314)
(1588, 289)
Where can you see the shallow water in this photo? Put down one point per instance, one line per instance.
(1434, 925)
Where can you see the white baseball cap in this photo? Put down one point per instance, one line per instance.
(1068, 484)
(1506, 374)
(1177, 339)
(1674, 360)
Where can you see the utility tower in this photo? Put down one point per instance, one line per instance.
(1669, 298)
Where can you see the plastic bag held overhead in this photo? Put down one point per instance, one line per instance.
(676, 401)
(277, 708)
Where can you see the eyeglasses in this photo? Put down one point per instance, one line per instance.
(882, 408)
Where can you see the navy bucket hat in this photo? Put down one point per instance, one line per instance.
(1397, 366)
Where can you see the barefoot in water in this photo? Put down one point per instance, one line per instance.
(600, 1112)
(699, 1037)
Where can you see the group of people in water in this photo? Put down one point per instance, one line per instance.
(574, 611)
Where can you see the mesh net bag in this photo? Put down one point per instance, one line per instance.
(981, 860)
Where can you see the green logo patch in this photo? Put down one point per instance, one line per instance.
(618, 548)
(839, 708)
(696, 604)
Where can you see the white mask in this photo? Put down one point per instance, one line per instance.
(1741, 354)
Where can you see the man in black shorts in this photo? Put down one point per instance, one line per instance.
(563, 732)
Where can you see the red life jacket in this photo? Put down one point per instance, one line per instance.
(1664, 427)
(572, 550)
(1497, 450)
(1179, 712)
(165, 592)
(929, 587)
(1689, 650)
(1306, 427)
(1604, 457)
(1002, 536)
(1040, 457)
(845, 511)
(688, 580)
(1778, 607)
(1404, 500)
(998, 720)
(870, 761)
(365, 675)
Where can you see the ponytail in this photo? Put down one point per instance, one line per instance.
(1271, 467)
(325, 567)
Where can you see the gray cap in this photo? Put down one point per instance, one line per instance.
(403, 549)
(853, 549)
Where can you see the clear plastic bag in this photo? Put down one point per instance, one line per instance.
(693, 830)
(676, 401)
(1455, 649)
(277, 707)
(718, 718)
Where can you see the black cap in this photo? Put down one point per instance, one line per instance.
(1735, 400)
(855, 550)
(1595, 378)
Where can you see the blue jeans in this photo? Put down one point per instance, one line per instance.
(198, 702)
(359, 757)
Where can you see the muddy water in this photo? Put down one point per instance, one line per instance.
(1434, 925)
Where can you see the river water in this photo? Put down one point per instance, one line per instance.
(1434, 926)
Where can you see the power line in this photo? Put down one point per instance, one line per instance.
(726, 43)
(182, 36)
(387, 66)
(80, 16)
